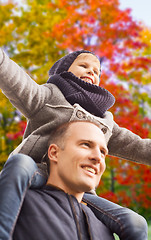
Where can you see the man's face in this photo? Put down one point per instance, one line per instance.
(81, 163)
(86, 67)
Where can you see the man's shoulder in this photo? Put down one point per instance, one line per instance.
(47, 195)
(40, 202)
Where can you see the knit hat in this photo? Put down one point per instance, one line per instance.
(65, 62)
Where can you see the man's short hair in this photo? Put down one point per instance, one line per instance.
(58, 135)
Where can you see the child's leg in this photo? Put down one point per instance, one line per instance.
(19, 173)
(127, 224)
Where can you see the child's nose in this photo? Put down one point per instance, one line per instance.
(90, 71)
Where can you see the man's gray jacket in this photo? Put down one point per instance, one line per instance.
(45, 107)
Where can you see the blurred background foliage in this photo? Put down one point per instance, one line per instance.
(36, 33)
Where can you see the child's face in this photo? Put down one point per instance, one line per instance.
(86, 67)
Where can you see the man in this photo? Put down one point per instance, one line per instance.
(77, 154)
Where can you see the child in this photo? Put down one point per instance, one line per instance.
(72, 92)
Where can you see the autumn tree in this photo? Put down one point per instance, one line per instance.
(130, 183)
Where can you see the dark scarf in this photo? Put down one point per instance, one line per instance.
(94, 99)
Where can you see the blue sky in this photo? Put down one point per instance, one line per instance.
(141, 9)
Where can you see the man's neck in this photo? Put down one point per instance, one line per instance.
(77, 195)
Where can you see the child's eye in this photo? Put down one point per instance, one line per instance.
(96, 72)
(83, 65)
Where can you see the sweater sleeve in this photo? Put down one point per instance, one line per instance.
(127, 145)
(22, 91)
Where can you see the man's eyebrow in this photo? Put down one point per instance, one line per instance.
(93, 143)
(86, 140)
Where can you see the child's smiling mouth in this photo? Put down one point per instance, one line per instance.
(87, 79)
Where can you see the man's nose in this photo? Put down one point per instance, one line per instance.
(96, 156)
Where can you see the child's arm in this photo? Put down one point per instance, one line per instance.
(127, 145)
(24, 93)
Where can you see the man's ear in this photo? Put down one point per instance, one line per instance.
(53, 152)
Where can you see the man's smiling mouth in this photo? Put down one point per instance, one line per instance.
(90, 169)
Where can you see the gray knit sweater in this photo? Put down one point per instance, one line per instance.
(45, 107)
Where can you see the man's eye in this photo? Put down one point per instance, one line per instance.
(103, 152)
(86, 144)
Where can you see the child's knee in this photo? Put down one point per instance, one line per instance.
(137, 220)
(20, 159)
(136, 226)
(20, 163)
